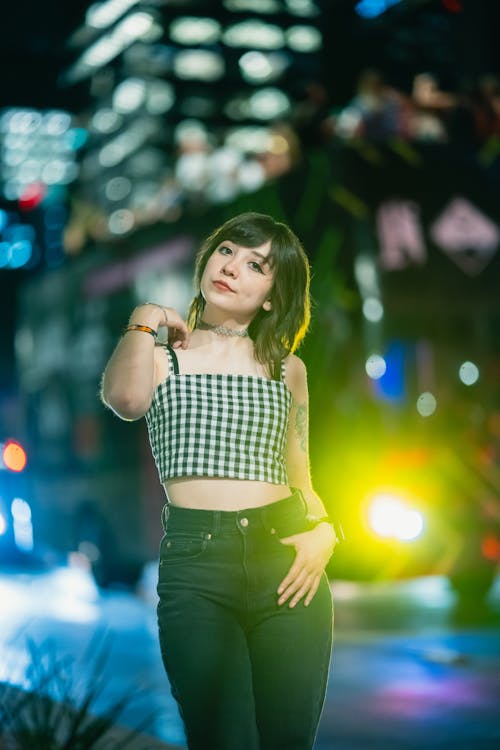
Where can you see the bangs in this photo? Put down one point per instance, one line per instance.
(254, 233)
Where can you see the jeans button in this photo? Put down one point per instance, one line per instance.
(244, 521)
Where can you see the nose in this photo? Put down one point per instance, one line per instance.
(230, 267)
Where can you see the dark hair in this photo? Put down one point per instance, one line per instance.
(279, 331)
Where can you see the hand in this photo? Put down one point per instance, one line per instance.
(178, 331)
(164, 317)
(314, 548)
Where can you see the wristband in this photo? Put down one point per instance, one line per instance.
(138, 327)
(337, 526)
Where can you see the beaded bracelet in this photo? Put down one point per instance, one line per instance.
(138, 327)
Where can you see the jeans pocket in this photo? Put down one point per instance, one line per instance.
(292, 520)
(279, 555)
(178, 547)
(289, 527)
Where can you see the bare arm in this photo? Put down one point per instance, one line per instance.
(128, 379)
(313, 548)
(297, 445)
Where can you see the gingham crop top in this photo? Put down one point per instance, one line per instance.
(219, 425)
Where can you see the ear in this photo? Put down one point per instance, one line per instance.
(267, 305)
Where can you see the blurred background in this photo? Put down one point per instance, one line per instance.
(128, 130)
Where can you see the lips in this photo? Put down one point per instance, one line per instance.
(223, 286)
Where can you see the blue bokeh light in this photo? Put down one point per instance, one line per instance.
(5, 254)
(20, 253)
(392, 386)
(19, 232)
(75, 138)
(374, 8)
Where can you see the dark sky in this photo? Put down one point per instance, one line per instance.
(33, 50)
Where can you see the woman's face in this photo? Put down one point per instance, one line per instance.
(238, 279)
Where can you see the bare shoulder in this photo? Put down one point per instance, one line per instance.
(160, 360)
(296, 376)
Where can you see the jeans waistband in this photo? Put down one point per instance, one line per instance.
(228, 521)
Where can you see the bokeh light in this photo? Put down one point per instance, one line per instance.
(426, 404)
(121, 221)
(22, 527)
(373, 309)
(389, 516)
(192, 30)
(20, 510)
(20, 253)
(375, 366)
(14, 456)
(468, 373)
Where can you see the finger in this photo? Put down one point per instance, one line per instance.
(288, 539)
(180, 333)
(186, 337)
(301, 592)
(175, 337)
(290, 576)
(312, 591)
(294, 586)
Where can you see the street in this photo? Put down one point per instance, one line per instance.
(409, 670)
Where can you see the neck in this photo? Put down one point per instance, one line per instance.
(222, 330)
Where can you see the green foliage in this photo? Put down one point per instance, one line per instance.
(57, 714)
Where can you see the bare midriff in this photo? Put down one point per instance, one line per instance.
(205, 493)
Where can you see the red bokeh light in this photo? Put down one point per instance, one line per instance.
(490, 548)
(454, 6)
(32, 196)
(14, 456)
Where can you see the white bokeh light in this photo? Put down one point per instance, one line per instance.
(375, 366)
(468, 373)
(390, 517)
(121, 221)
(426, 404)
(373, 309)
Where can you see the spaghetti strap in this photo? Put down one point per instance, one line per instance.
(173, 364)
(283, 370)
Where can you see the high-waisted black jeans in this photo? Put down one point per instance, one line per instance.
(247, 673)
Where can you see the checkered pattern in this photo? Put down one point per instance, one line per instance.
(218, 425)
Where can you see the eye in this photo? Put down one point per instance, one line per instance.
(225, 250)
(256, 266)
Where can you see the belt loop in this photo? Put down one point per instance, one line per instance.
(264, 517)
(216, 522)
(164, 516)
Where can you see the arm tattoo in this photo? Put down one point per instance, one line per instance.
(301, 425)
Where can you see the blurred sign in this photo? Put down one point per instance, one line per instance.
(468, 237)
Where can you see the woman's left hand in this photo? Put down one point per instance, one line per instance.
(314, 548)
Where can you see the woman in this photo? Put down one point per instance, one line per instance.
(245, 612)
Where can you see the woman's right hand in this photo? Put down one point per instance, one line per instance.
(158, 316)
